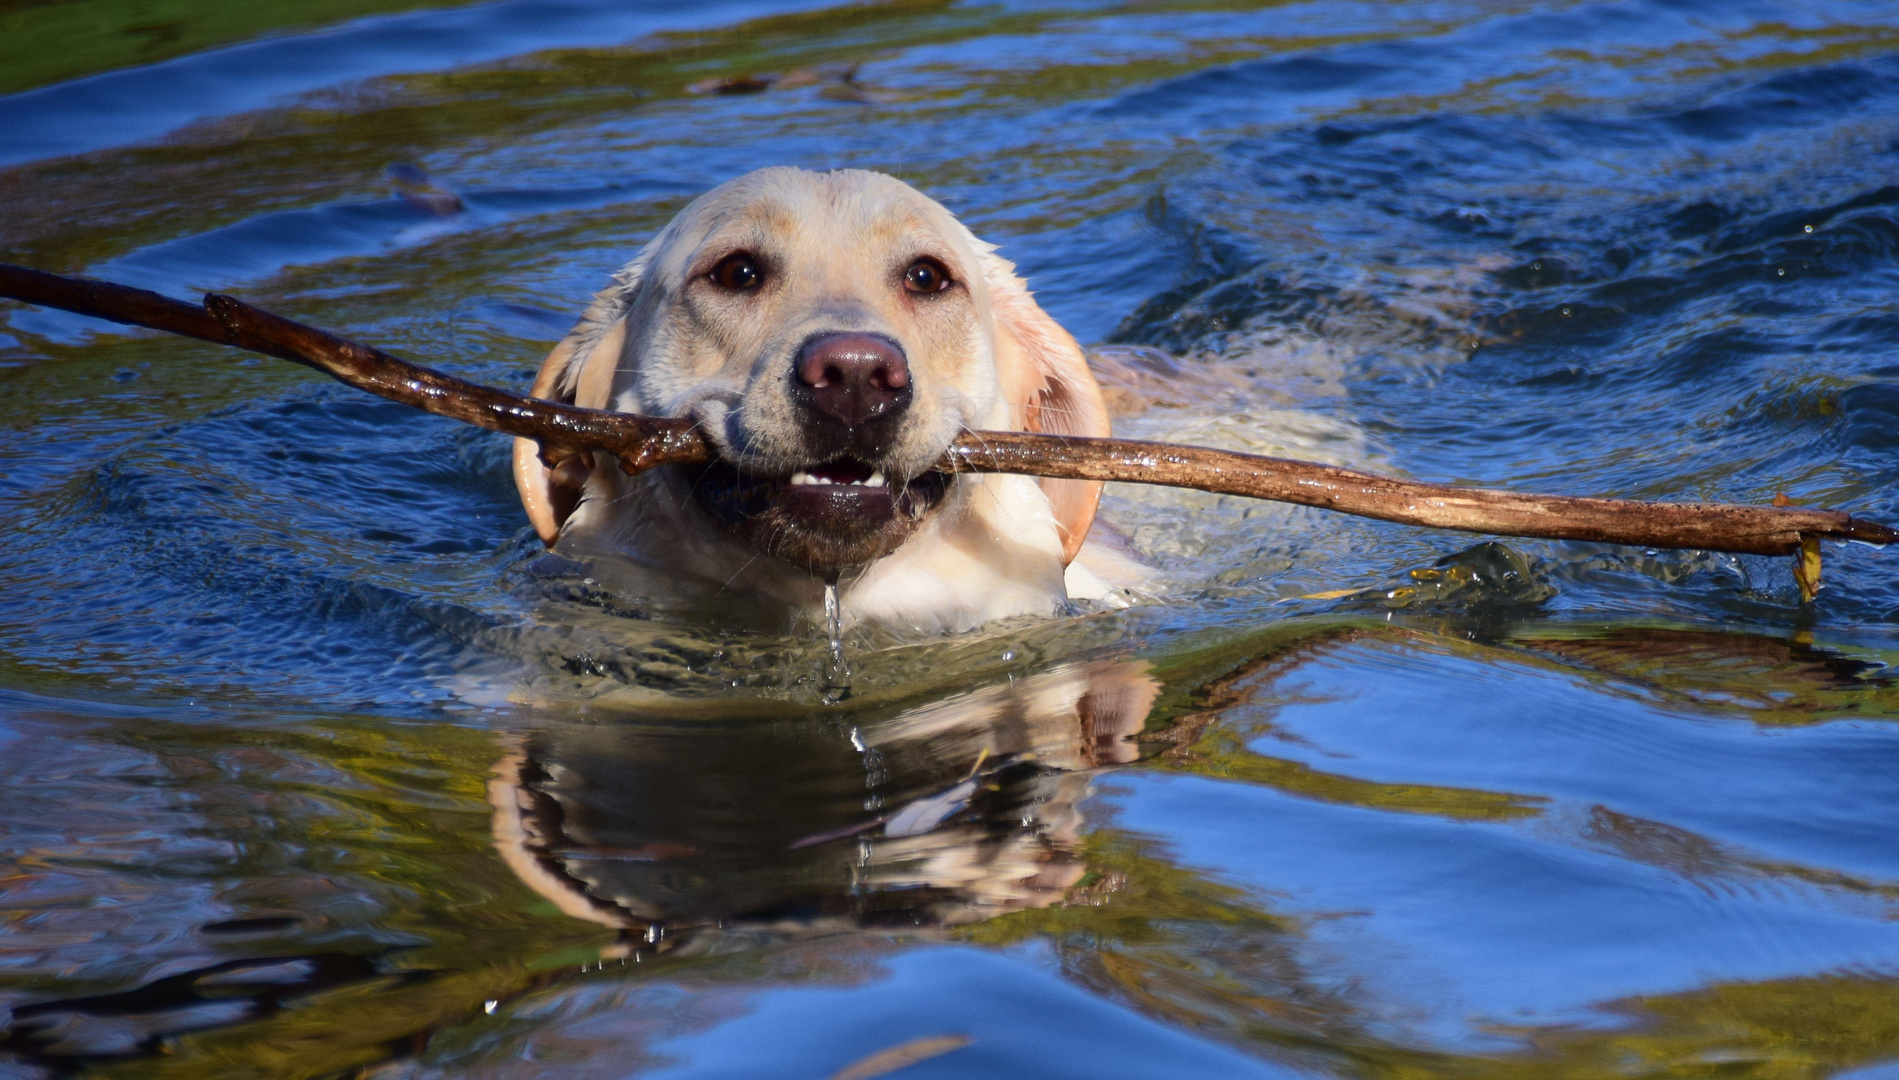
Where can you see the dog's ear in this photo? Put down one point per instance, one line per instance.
(1044, 377)
(579, 371)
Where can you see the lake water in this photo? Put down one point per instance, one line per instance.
(313, 767)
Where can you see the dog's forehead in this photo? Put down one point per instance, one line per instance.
(792, 213)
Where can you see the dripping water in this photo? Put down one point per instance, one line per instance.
(837, 675)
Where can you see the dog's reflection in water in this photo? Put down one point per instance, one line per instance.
(933, 815)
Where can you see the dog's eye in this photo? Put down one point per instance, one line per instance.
(737, 271)
(926, 276)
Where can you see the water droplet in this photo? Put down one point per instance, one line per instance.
(1567, 313)
(1536, 266)
(1782, 272)
(489, 1006)
(1807, 228)
(1008, 654)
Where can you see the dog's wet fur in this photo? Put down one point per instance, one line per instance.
(831, 333)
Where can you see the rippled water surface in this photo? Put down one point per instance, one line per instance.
(313, 768)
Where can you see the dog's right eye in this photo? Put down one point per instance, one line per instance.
(737, 271)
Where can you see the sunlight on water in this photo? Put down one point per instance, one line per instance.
(317, 765)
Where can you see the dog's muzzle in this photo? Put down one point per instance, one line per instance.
(852, 392)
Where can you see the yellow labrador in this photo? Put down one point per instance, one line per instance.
(831, 333)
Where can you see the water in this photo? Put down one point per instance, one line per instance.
(315, 766)
(837, 676)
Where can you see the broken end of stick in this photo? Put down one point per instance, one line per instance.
(1866, 532)
(1807, 567)
(1807, 555)
(672, 442)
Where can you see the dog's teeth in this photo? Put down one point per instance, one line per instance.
(801, 478)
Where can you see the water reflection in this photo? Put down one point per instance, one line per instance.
(1265, 917)
(934, 815)
(1236, 836)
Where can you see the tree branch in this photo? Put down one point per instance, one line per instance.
(1753, 530)
(641, 442)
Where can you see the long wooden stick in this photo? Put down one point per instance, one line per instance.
(641, 442)
(1753, 530)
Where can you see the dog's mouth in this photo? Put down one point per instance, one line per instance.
(825, 517)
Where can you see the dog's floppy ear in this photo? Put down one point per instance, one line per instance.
(1045, 379)
(579, 372)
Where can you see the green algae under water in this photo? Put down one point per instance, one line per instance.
(314, 767)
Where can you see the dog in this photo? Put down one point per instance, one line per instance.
(830, 333)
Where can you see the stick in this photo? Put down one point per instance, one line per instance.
(1753, 530)
(641, 442)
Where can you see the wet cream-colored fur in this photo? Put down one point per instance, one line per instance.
(661, 341)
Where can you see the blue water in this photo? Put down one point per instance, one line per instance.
(314, 767)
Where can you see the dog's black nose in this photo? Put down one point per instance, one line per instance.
(853, 378)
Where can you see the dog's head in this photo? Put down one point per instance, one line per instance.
(832, 333)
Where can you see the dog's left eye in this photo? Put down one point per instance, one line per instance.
(926, 276)
(737, 271)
